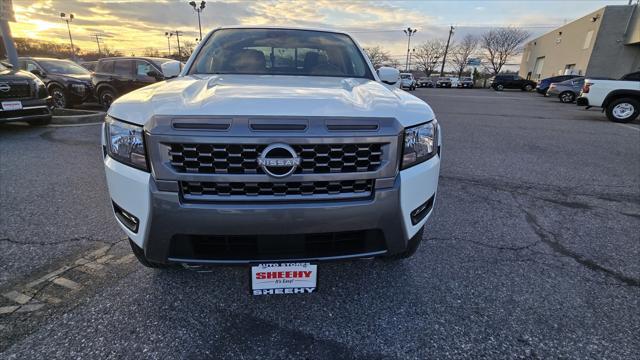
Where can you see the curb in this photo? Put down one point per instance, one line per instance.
(68, 117)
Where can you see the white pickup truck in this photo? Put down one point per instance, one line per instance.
(272, 144)
(620, 99)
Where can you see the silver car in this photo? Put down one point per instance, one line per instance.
(567, 91)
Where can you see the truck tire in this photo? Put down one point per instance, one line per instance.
(623, 110)
(139, 253)
(412, 247)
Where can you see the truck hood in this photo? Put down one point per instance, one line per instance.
(271, 95)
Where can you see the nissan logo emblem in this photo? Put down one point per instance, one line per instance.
(4, 87)
(278, 160)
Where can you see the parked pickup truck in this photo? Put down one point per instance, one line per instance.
(619, 99)
(272, 144)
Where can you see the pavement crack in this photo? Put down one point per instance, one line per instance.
(44, 243)
(34, 295)
(490, 246)
(550, 239)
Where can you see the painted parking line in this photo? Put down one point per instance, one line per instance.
(630, 127)
(69, 284)
(18, 297)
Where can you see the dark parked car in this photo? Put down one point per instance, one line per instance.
(567, 91)
(89, 65)
(425, 82)
(501, 82)
(117, 76)
(465, 82)
(68, 83)
(544, 84)
(443, 82)
(23, 97)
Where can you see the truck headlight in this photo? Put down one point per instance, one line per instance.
(125, 143)
(420, 144)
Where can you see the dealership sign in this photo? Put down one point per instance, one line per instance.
(284, 278)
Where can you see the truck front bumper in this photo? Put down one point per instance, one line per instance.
(170, 230)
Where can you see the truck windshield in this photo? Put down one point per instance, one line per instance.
(280, 52)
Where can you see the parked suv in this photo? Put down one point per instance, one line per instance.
(407, 81)
(543, 85)
(68, 83)
(501, 82)
(23, 97)
(273, 144)
(117, 76)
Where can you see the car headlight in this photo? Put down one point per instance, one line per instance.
(125, 143)
(420, 144)
(78, 88)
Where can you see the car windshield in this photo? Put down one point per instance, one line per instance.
(280, 52)
(405, 76)
(63, 67)
(466, 79)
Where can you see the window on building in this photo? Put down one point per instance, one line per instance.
(587, 40)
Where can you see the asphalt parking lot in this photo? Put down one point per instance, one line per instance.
(532, 253)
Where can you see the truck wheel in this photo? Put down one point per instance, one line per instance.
(567, 97)
(139, 253)
(412, 247)
(623, 110)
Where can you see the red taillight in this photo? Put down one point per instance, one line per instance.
(585, 88)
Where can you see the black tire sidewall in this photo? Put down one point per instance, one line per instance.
(635, 103)
(58, 89)
(573, 97)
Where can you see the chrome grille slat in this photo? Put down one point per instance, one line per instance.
(242, 159)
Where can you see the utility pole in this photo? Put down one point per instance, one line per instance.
(69, 19)
(6, 15)
(178, 38)
(409, 32)
(98, 39)
(198, 10)
(411, 55)
(446, 50)
(169, 35)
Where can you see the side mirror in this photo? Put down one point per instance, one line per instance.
(389, 75)
(154, 74)
(37, 72)
(171, 69)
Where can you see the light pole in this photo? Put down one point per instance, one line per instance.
(68, 20)
(446, 50)
(409, 32)
(198, 10)
(411, 55)
(169, 35)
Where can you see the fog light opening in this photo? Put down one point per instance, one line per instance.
(419, 213)
(127, 219)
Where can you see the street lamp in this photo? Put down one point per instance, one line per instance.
(198, 10)
(169, 35)
(68, 19)
(409, 32)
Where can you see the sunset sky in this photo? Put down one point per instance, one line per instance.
(132, 26)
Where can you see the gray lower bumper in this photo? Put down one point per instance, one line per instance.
(170, 216)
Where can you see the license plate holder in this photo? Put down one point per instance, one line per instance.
(11, 105)
(284, 278)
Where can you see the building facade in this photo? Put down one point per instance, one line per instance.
(605, 43)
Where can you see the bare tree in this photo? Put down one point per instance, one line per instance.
(151, 52)
(501, 44)
(377, 56)
(429, 54)
(463, 51)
